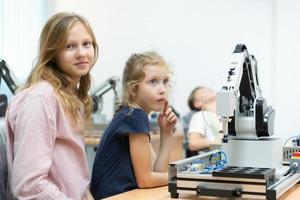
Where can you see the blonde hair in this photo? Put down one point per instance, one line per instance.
(133, 73)
(52, 41)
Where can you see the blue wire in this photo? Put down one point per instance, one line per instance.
(219, 164)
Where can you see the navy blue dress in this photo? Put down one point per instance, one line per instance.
(112, 170)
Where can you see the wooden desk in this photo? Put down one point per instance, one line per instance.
(161, 193)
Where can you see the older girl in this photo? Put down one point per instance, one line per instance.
(45, 120)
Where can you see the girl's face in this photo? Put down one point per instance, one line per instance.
(77, 57)
(153, 91)
(205, 99)
(199, 98)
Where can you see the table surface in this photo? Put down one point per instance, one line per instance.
(161, 193)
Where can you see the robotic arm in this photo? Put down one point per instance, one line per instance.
(103, 88)
(244, 112)
(7, 77)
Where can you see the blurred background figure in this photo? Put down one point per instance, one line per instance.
(194, 103)
(5, 190)
(201, 125)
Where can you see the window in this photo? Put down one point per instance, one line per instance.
(21, 23)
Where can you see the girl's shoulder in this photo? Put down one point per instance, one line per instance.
(131, 120)
(132, 112)
(205, 113)
(128, 115)
(43, 90)
(37, 96)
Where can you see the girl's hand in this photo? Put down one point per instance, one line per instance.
(167, 119)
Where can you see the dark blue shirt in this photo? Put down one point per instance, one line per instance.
(112, 170)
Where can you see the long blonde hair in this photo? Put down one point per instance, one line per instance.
(52, 41)
(133, 73)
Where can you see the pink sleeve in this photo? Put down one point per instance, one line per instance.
(35, 133)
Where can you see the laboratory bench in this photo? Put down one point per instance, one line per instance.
(161, 193)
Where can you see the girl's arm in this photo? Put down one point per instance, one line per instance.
(197, 141)
(167, 121)
(141, 154)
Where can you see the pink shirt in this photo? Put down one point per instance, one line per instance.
(46, 155)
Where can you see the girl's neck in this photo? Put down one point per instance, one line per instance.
(210, 107)
(134, 105)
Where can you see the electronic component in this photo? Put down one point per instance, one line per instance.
(254, 160)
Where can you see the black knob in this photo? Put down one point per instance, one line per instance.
(231, 73)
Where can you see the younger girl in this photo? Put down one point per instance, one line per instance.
(125, 159)
(46, 153)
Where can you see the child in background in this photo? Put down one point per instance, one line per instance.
(204, 126)
(46, 119)
(195, 104)
(125, 159)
